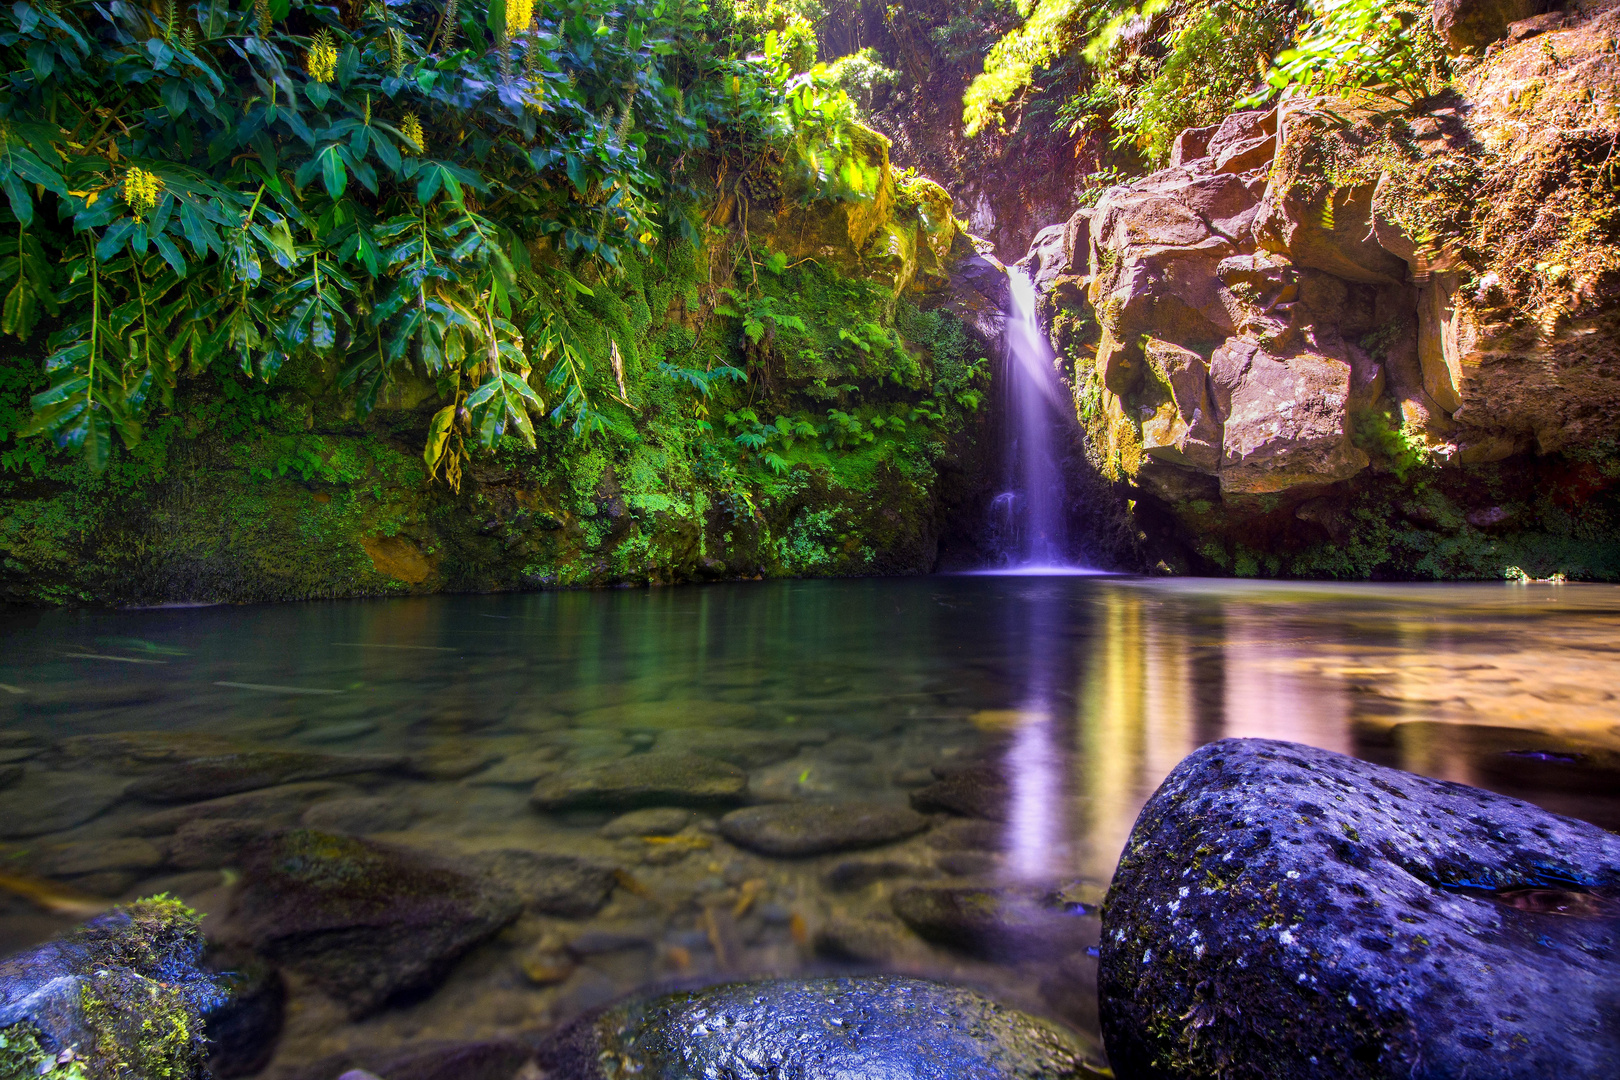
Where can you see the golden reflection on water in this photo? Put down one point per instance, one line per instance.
(1484, 685)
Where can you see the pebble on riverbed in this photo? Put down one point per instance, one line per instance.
(814, 828)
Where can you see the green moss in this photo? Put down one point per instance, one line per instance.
(21, 1055)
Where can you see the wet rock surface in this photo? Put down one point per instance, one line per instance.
(364, 921)
(123, 994)
(242, 1032)
(818, 1029)
(642, 780)
(793, 829)
(1287, 911)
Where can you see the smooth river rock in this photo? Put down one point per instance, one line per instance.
(247, 770)
(814, 828)
(364, 921)
(977, 790)
(46, 802)
(818, 1029)
(995, 922)
(1284, 911)
(642, 780)
(571, 886)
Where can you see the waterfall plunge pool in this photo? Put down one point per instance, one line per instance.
(1030, 715)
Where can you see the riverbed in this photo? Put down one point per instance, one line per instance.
(1027, 718)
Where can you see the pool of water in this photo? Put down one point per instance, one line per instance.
(1049, 708)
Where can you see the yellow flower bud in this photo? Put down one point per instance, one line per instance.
(141, 191)
(518, 15)
(411, 128)
(320, 60)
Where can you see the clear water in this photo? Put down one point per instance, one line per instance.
(1027, 518)
(1081, 692)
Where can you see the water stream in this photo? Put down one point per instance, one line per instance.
(1055, 705)
(1027, 516)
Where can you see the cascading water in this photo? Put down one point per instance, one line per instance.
(1027, 517)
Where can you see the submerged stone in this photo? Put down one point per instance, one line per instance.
(227, 774)
(994, 922)
(642, 780)
(977, 790)
(46, 802)
(814, 828)
(1287, 911)
(364, 921)
(121, 996)
(818, 1029)
(550, 883)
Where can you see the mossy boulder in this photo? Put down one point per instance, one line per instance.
(120, 998)
(1285, 911)
(364, 921)
(819, 1029)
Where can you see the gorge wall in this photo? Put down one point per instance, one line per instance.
(1339, 338)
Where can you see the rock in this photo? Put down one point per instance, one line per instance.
(521, 770)
(642, 780)
(668, 714)
(93, 856)
(274, 806)
(571, 886)
(342, 731)
(46, 802)
(1474, 24)
(123, 994)
(452, 762)
(1284, 418)
(850, 874)
(814, 828)
(211, 843)
(742, 748)
(359, 815)
(362, 920)
(243, 1032)
(864, 941)
(994, 922)
(1287, 911)
(967, 835)
(972, 791)
(226, 774)
(495, 1059)
(654, 821)
(819, 1029)
(10, 774)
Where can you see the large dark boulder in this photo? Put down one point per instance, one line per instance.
(1282, 911)
(122, 997)
(364, 921)
(817, 1029)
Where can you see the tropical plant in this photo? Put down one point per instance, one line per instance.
(375, 186)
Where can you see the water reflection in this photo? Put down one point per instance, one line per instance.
(1038, 712)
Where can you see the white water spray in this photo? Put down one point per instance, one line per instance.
(1028, 515)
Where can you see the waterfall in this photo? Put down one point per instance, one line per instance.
(1027, 517)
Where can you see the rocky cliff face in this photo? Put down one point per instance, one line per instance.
(1337, 337)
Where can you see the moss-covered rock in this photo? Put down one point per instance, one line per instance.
(120, 998)
(362, 920)
(1284, 911)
